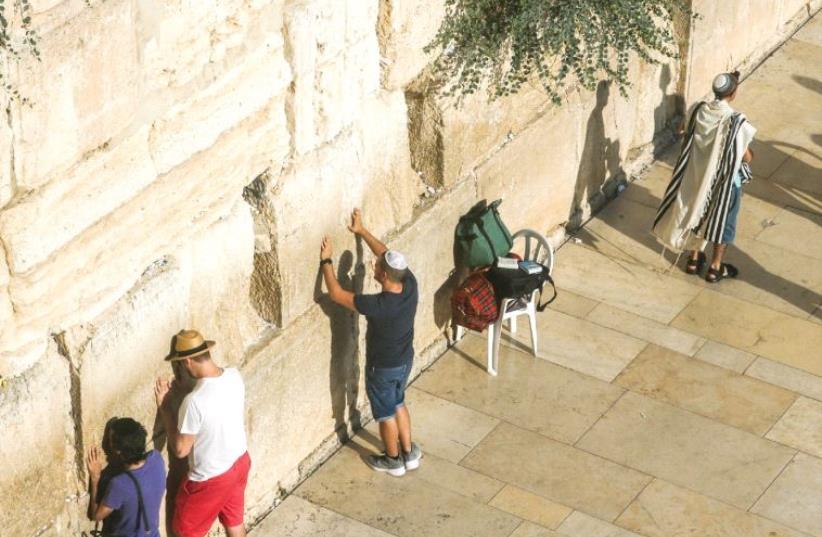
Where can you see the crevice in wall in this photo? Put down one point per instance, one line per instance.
(383, 31)
(425, 126)
(76, 403)
(290, 94)
(265, 291)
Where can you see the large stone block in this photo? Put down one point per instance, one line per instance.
(405, 28)
(85, 90)
(196, 123)
(46, 220)
(367, 168)
(727, 35)
(538, 173)
(330, 78)
(37, 447)
(303, 386)
(221, 260)
(173, 209)
(182, 40)
(391, 186)
(448, 140)
(132, 338)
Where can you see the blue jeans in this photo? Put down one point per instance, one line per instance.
(729, 231)
(385, 387)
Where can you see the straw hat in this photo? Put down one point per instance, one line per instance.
(188, 344)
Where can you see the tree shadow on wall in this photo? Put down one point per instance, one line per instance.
(599, 161)
(344, 370)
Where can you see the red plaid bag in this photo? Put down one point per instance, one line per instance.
(473, 304)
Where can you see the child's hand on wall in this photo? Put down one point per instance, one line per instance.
(94, 463)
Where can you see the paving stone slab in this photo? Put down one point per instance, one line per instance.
(797, 380)
(529, 392)
(406, 507)
(795, 498)
(705, 389)
(646, 329)
(686, 449)
(793, 341)
(296, 517)
(579, 344)
(529, 506)
(801, 427)
(666, 510)
(445, 428)
(725, 356)
(556, 471)
(627, 286)
(582, 525)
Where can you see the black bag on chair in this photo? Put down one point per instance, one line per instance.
(516, 283)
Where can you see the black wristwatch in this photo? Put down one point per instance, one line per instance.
(326, 261)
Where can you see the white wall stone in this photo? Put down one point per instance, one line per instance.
(37, 447)
(405, 28)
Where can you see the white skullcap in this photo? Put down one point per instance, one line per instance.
(724, 84)
(395, 260)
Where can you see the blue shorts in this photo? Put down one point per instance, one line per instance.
(729, 231)
(385, 387)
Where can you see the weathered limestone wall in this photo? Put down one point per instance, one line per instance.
(179, 163)
(738, 34)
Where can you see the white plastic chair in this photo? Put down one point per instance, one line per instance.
(535, 248)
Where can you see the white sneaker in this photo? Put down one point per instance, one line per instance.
(384, 463)
(412, 459)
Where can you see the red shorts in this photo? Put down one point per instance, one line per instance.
(199, 503)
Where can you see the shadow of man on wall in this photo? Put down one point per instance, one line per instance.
(599, 161)
(344, 370)
(177, 467)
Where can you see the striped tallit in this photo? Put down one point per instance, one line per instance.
(696, 203)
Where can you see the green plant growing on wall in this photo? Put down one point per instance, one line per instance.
(14, 42)
(499, 45)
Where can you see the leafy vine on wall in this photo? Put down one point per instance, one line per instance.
(15, 41)
(498, 46)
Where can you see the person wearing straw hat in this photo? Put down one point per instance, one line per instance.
(210, 431)
(389, 345)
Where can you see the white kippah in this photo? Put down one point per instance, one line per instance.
(724, 84)
(395, 260)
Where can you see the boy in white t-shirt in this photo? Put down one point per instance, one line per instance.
(210, 431)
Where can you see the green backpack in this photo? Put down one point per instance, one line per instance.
(481, 236)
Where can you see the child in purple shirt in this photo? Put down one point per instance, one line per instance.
(133, 476)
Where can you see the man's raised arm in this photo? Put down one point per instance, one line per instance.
(357, 228)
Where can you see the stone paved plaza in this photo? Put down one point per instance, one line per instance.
(659, 405)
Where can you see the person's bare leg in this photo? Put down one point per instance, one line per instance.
(694, 255)
(404, 426)
(719, 252)
(235, 531)
(389, 434)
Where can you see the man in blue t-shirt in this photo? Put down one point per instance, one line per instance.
(389, 345)
(117, 502)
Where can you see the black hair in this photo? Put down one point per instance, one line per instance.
(128, 440)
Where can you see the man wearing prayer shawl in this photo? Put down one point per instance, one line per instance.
(701, 203)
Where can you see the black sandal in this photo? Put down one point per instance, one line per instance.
(726, 270)
(695, 265)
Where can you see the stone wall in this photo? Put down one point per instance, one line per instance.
(179, 162)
